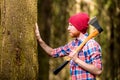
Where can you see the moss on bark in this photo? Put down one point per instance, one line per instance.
(18, 52)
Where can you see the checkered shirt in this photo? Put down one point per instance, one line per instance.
(90, 53)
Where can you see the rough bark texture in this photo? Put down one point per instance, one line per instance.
(18, 58)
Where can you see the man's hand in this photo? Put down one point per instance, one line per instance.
(47, 48)
(73, 56)
(37, 33)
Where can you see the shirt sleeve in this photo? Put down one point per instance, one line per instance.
(95, 56)
(61, 51)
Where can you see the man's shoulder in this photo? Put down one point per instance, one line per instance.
(92, 42)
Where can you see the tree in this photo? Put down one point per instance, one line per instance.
(44, 22)
(110, 10)
(18, 56)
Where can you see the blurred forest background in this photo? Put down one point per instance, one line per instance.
(22, 59)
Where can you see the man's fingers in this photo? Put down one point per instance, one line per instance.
(73, 55)
(37, 31)
(36, 26)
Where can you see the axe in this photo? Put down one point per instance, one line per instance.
(96, 31)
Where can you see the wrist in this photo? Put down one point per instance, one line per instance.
(40, 40)
(76, 60)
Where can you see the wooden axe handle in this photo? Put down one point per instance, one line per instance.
(92, 35)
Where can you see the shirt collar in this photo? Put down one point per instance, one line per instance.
(82, 37)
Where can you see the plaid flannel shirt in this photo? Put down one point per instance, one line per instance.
(90, 53)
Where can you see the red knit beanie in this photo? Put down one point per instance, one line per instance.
(80, 21)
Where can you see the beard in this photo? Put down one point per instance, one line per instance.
(73, 35)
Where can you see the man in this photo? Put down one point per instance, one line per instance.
(87, 64)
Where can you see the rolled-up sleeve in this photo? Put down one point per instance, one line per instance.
(61, 51)
(96, 60)
(95, 54)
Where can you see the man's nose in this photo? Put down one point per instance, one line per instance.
(68, 28)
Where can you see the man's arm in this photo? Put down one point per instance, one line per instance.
(47, 48)
(88, 67)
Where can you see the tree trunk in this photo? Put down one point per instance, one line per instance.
(44, 22)
(18, 58)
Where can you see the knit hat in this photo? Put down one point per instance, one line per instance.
(80, 21)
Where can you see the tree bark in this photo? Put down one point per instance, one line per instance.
(18, 58)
